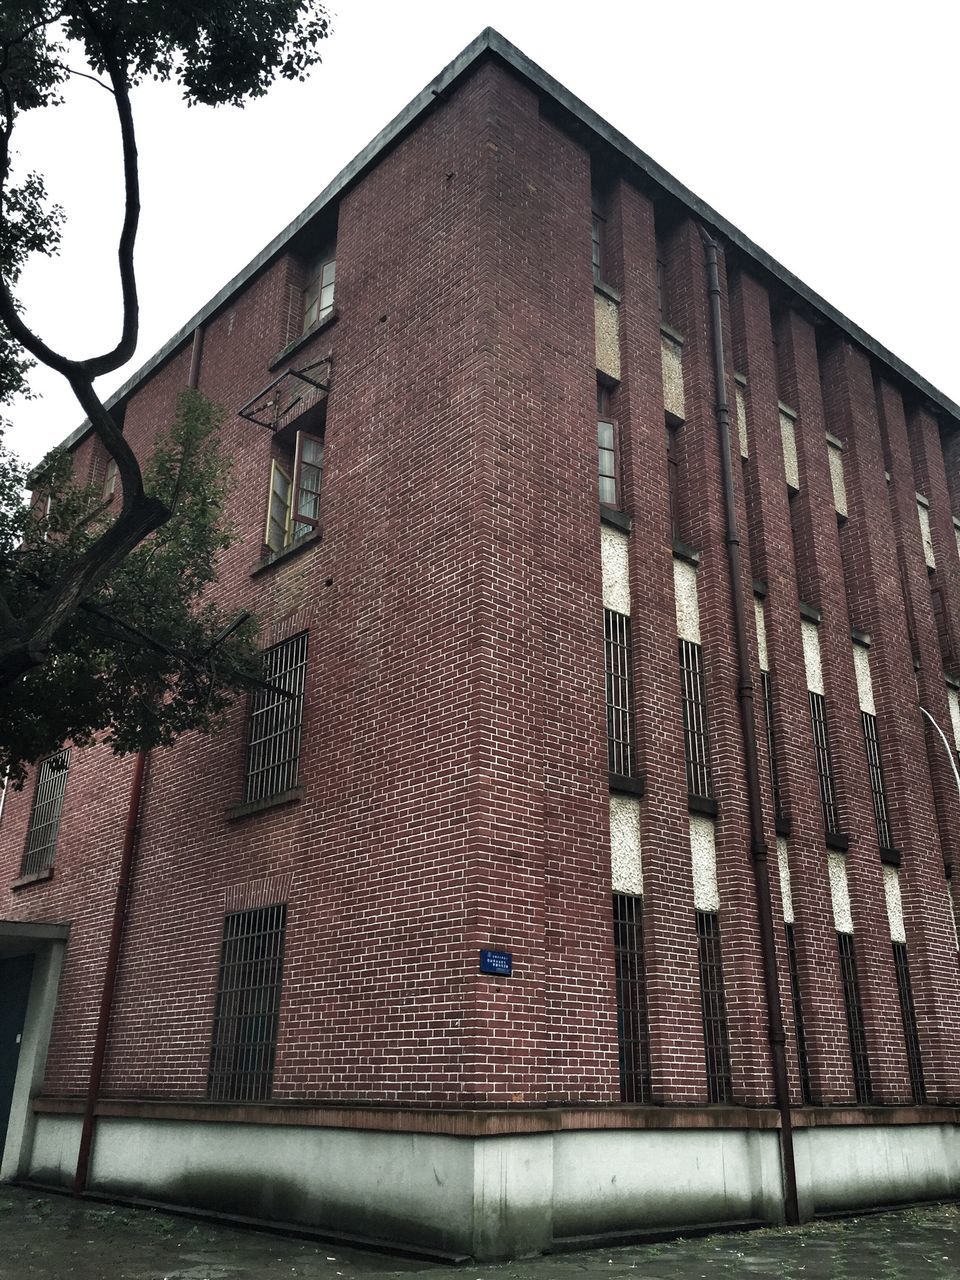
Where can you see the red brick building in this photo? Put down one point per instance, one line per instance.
(467, 944)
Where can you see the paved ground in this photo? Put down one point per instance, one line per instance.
(54, 1238)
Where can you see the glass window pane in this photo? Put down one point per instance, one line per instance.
(608, 491)
(605, 434)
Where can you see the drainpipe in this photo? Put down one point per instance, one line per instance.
(745, 692)
(110, 976)
(124, 879)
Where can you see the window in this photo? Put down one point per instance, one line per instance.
(673, 479)
(661, 282)
(110, 479)
(715, 1035)
(828, 795)
(876, 780)
(619, 677)
(855, 1030)
(293, 505)
(696, 743)
(766, 682)
(596, 245)
(802, 1060)
(45, 814)
(632, 1032)
(909, 1016)
(276, 715)
(321, 278)
(248, 1006)
(607, 447)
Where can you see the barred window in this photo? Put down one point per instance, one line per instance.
(876, 780)
(632, 1029)
(802, 1060)
(619, 676)
(821, 740)
(276, 714)
(696, 742)
(716, 1039)
(855, 1029)
(248, 1006)
(766, 682)
(909, 1015)
(41, 843)
(673, 478)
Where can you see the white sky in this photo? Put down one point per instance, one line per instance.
(827, 132)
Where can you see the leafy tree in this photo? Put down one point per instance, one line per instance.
(147, 654)
(52, 640)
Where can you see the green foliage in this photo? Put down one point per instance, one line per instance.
(138, 663)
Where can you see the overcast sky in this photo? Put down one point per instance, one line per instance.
(827, 132)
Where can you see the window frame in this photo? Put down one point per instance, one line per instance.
(293, 476)
(314, 275)
(39, 857)
(606, 419)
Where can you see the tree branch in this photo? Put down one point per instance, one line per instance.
(117, 72)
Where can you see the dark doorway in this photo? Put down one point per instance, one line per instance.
(15, 975)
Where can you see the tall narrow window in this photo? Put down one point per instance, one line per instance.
(854, 1009)
(876, 780)
(41, 844)
(597, 228)
(766, 682)
(607, 449)
(276, 714)
(248, 1006)
(318, 292)
(662, 299)
(699, 780)
(631, 998)
(802, 1060)
(909, 1015)
(821, 740)
(619, 673)
(673, 479)
(715, 1034)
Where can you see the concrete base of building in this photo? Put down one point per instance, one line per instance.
(499, 1196)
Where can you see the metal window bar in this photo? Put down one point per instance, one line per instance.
(716, 1038)
(619, 682)
(855, 1029)
(909, 1014)
(821, 741)
(273, 750)
(632, 1026)
(803, 1062)
(696, 741)
(45, 812)
(880, 811)
(766, 682)
(244, 1046)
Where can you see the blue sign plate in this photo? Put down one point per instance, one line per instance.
(498, 962)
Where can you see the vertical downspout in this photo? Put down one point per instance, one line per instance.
(124, 880)
(110, 975)
(745, 693)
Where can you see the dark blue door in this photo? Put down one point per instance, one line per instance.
(15, 977)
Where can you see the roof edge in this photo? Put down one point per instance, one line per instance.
(491, 41)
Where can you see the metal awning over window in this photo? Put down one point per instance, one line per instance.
(289, 397)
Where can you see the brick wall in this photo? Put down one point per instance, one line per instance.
(453, 759)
